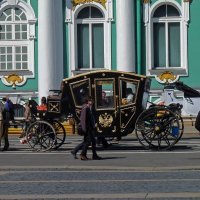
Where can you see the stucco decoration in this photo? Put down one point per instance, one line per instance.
(77, 2)
(13, 80)
(167, 77)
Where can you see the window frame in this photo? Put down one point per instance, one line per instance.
(166, 22)
(30, 22)
(15, 42)
(149, 10)
(89, 22)
(71, 15)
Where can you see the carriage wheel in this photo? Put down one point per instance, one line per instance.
(41, 136)
(159, 128)
(60, 133)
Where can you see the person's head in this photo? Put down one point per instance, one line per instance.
(129, 91)
(103, 94)
(43, 100)
(89, 100)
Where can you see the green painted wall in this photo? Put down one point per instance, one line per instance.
(193, 46)
(66, 64)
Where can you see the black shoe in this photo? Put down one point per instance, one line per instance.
(74, 154)
(82, 157)
(96, 157)
(5, 148)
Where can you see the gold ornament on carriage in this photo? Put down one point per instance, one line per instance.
(105, 120)
(54, 107)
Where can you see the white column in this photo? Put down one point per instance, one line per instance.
(125, 35)
(50, 45)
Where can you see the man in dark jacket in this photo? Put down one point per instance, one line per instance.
(8, 114)
(87, 121)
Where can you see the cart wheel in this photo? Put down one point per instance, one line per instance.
(60, 133)
(159, 128)
(41, 136)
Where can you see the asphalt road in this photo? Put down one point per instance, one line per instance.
(127, 171)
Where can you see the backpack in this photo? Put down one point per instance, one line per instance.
(197, 122)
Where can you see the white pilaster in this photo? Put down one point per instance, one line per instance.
(50, 45)
(125, 35)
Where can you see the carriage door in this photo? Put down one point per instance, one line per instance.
(128, 89)
(106, 106)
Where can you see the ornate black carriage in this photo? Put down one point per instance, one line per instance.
(120, 105)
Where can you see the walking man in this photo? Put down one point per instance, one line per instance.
(87, 121)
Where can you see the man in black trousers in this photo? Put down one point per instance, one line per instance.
(87, 122)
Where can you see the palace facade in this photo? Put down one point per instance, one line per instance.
(44, 41)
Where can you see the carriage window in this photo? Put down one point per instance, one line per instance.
(128, 91)
(104, 94)
(80, 92)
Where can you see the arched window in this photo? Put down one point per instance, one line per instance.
(13, 40)
(166, 37)
(166, 30)
(90, 38)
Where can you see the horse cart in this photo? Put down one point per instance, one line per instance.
(120, 108)
(41, 132)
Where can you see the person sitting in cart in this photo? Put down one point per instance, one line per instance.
(104, 102)
(43, 105)
(129, 97)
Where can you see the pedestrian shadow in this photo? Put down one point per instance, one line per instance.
(181, 147)
(141, 148)
(112, 158)
(120, 147)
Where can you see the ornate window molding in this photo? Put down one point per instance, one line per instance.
(18, 47)
(71, 19)
(148, 10)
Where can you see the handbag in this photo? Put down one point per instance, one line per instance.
(80, 130)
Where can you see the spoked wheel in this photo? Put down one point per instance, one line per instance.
(41, 136)
(159, 128)
(60, 133)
